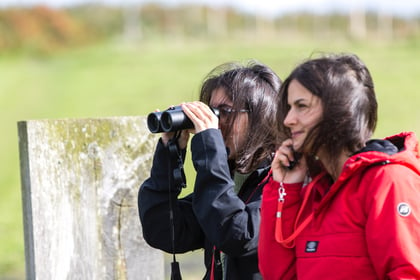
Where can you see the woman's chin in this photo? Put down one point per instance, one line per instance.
(297, 147)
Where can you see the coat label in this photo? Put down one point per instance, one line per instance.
(311, 246)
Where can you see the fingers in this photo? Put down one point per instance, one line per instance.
(285, 153)
(277, 167)
(201, 115)
(197, 110)
(281, 165)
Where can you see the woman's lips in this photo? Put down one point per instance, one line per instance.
(296, 134)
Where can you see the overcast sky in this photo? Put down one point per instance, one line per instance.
(269, 7)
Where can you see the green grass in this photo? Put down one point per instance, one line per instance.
(120, 80)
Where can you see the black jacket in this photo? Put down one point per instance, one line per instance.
(213, 217)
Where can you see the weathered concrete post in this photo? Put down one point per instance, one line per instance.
(80, 180)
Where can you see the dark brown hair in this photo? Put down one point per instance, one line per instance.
(253, 87)
(345, 87)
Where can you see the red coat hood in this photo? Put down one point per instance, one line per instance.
(402, 148)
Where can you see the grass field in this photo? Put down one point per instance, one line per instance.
(120, 80)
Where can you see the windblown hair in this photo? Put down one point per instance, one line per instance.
(254, 87)
(345, 87)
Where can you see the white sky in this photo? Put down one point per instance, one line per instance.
(269, 7)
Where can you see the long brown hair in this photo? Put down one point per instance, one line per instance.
(254, 87)
(345, 87)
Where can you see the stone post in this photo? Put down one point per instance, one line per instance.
(80, 179)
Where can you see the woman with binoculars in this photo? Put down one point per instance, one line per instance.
(231, 151)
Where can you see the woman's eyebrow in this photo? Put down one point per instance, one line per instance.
(223, 105)
(297, 101)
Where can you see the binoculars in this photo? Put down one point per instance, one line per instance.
(172, 119)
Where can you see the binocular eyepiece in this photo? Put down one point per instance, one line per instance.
(172, 119)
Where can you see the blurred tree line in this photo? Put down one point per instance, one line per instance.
(43, 29)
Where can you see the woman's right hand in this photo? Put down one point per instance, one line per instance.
(281, 162)
(200, 115)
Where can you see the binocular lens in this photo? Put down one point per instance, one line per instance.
(153, 122)
(166, 122)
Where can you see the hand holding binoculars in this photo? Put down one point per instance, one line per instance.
(172, 119)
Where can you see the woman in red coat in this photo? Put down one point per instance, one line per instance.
(338, 205)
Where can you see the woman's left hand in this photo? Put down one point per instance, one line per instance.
(201, 116)
(281, 162)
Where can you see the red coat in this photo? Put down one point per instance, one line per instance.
(366, 225)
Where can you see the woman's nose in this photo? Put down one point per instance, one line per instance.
(290, 119)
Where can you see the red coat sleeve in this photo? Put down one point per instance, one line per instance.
(393, 221)
(275, 261)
